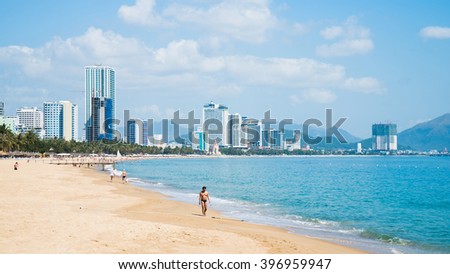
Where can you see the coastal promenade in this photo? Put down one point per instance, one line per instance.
(84, 161)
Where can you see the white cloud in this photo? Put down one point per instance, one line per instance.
(353, 39)
(363, 85)
(435, 32)
(284, 71)
(178, 68)
(184, 55)
(332, 32)
(247, 20)
(313, 96)
(346, 48)
(142, 13)
(34, 62)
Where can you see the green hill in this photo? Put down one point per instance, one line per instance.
(431, 135)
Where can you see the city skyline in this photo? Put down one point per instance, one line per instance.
(369, 62)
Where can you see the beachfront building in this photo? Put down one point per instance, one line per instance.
(100, 103)
(251, 133)
(134, 131)
(198, 140)
(358, 148)
(144, 133)
(215, 124)
(30, 119)
(272, 139)
(2, 109)
(61, 120)
(384, 137)
(235, 130)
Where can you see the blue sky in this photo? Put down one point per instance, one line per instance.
(370, 61)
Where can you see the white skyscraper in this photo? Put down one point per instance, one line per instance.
(235, 123)
(100, 102)
(384, 137)
(61, 120)
(215, 124)
(31, 119)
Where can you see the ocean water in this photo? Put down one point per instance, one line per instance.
(381, 204)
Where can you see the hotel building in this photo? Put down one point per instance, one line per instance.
(61, 120)
(384, 137)
(100, 103)
(215, 124)
(30, 118)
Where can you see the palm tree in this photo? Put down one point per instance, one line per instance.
(9, 141)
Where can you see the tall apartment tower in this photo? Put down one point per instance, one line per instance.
(61, 120)
(251, 133)
(384, 137)
(100, 102)
(215, 124)
(234, 129)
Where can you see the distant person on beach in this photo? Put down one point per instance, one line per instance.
(124, 176)
(111, 174)
(203, 198)
(16, 166)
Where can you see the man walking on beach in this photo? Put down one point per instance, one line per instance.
(203, 197)
(124, 176)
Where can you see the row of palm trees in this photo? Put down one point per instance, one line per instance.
(30, 142)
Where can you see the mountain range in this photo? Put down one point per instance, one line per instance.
(426, 136)
(431, 135)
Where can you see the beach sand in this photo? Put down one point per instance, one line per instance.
(52, 209)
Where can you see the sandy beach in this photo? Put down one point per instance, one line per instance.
(64, 209)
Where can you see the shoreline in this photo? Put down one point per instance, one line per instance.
(66, 209)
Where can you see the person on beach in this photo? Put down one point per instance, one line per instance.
(16, 166)
(111, 174)
(203, 198)
(124, 176)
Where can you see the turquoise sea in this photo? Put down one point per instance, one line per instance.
(381, 204)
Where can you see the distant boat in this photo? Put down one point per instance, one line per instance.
(118, 154)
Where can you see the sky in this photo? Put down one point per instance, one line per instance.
(369, 61)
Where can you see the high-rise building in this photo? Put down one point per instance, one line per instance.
(234, 129)
(144, 133)
(358, 148)
(384, 137)
(135, 131)
(99, 125)
(199, 143)
(61, 120)
(30, 118)
(100, 102)
(2, 109)
(272, 139)
(251, 133)
(215, 124)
